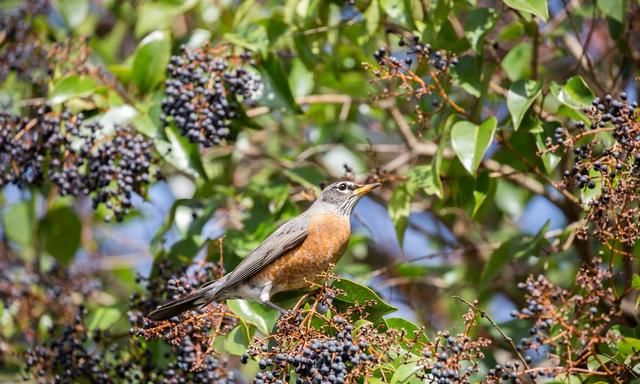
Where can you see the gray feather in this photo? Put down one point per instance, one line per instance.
(283, 239)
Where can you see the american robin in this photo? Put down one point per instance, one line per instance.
(292, 257)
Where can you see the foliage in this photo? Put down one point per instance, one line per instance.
(502, 246)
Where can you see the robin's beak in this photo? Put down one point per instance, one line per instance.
(365, 189)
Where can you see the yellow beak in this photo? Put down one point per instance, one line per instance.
(366, 189)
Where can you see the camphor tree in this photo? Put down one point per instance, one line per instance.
(146, 147)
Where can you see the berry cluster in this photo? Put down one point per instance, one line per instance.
(453, 359)
(343, 356)
(204, 91)
(606, 152)
(79, 159)
(20, 51)
(191, 334)
(417, 70)
(569, 324)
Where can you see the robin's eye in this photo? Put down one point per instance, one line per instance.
(342, 186)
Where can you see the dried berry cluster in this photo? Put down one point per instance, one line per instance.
(29, 294)
(417, 70)
(78, 158)
(20, 51)
(75, 354)
(607, 161)
(569, 327)
(204, 92)
(191, 335)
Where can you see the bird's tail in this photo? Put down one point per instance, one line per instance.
(203, 296)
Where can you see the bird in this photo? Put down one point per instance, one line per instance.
(293, 257)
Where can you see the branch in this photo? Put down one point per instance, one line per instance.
(508, 339)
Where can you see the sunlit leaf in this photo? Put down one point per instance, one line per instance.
(150, 60)
(536, 7)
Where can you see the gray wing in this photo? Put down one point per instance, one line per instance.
(283, 239)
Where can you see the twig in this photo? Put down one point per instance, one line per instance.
(508, 339)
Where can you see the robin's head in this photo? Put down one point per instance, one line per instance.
(342, 196)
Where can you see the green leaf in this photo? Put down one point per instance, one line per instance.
(514, 248)
(159, 15)
(470, 142)
(411, 333)
(424, 177)
(252, 37)
(355, 293)
(635, 282)
(60, 231)
(628, 346)
(150, 60)
(17, 223)
(467, 73)
(237, 340)
(536, 7)
(575, 93)
(614, 9)
(404, 372)
(71, 87)
(372, 17)
(301, 80)
(400, 11)
(517, 63)
(74, 12)
(263, 318)
(400, 208)
(520, 97)
(103, 318)
(277, 93)
(478, 23)
(178, 151)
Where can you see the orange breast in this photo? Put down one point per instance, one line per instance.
(325, 243)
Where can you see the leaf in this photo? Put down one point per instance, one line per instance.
(180, 152)
(536, 7)
(150, 60)
(614, 9)
(575, 93)
(277, 93)
(478, 23)
(237, 340)
(400, 208)
(400, 11)
(411, 333)
(252, 37)
(514, 248)
(404, 372)
(60, 231)
(17, 223)
(520, 97)
(467, 74)
(372, 17)
(261, 317)
(73, 86)
(628, 346)
(424, 177)
(355, 293)
(470, 142)
(74, 12)
(158, 15)
(301, 79)
(517, 63)
(103, 318)
(635, 282)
